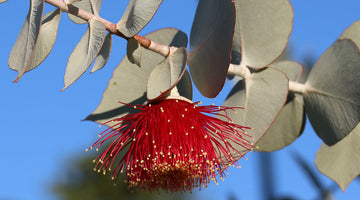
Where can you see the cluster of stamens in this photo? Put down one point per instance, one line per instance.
(173, 144)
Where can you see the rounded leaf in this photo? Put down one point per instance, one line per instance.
(167, 74)
(85, 52)
(128, 83)
(24, 46)
(290, 122)
(169, 37)
(262, 31)
(263, 95)
(341, 162)
(137, 14)
(210, 45)
(332, 97)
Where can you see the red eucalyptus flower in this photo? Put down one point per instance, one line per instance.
(172, 144)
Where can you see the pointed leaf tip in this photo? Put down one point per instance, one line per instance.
(24, 46)
(85, 52)
(341, 162)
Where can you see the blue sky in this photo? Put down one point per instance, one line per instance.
(42, 128)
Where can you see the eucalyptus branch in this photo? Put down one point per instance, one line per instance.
(239, 70)
(297, 87)
(243, 71)
(111, 27)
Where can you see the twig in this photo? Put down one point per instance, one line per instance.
(111, 27)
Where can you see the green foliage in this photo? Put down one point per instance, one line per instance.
(341, 162)
(332, 92)
(250, 35)
(166, 74)
(24, 46)
(249, 92)
(85, 52)
(81, 182)
(262, 37)
(128, 72)
(104, 54)
(290, 122)
(210, 45)
(137, 15)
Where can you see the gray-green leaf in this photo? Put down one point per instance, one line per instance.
(290, 122)
(104, 54)
(137, 14)
(167, 74)
(210, 45)
(263, 95)
(131, 80)
(46, 40)
(341, 162)
(23, 48)
(85, 52)
(352, 32)
(133, 51)
(262, 31)
(332, 97)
